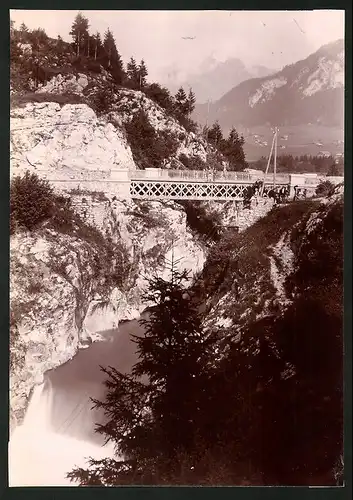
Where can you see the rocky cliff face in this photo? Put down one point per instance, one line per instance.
(62, 290)
(70, 140)
(262, 264)
(61, 293)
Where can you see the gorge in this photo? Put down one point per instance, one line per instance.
(261, 276)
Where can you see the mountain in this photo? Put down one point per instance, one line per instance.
(213, 78)
(309, 91)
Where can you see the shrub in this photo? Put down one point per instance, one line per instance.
(214, 161)
(63, 219)
(167, 144)
(182, 136)
(148, 147)
(31, 201)
(325, 188)
(192, 162)
(187, 123)
(94, 66)
(102, 100)
(160, 95)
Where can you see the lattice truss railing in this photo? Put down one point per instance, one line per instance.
(186, 190)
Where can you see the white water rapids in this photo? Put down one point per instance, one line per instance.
(57, 433)
(39, 455)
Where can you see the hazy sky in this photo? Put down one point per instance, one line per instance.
(269, 38)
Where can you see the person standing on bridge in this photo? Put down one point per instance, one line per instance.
(224, 170)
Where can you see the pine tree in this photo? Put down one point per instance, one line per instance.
(114, 61)
(97, 45)
(79, 33)
(60, 50)
(109, 46)
(23, 28)
(232, 148)
(37, 38)
(88, 44)
(181, 103)
(191, 102)
(133, 73)
(215, 135)
(23, 33)
(154, 412)
(59, 43)
(142, 74)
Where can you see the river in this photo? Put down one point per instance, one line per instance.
(58, 429)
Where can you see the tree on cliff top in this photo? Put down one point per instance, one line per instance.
(79, 32)
(113, 58)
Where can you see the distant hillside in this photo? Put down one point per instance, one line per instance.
(309, 91)
(214, 78)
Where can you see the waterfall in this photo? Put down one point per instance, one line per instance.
(41, 453)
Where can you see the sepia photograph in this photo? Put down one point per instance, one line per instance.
(176, 248)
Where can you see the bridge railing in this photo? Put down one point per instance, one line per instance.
(155, 174)
(203, 175)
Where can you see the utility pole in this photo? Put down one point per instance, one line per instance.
(268, 164)
(207, 148)
(275, 158)
(208, 111)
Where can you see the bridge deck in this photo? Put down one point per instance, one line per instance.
(157, 174)
(155, 184)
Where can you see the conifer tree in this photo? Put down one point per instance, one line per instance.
(37, 38)
(60, 50)
(114, 61)
(88, 44)
(109, 46)
(191, 102)
(181, 102)
(142, 74)
(79, 33)
(132, 71)
(153, 414)
(23, 28)
(215, 135)
(97, 44)
(23, 33)
(59, 43)
(232, 148)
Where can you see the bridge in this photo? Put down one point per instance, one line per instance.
(164, 184)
